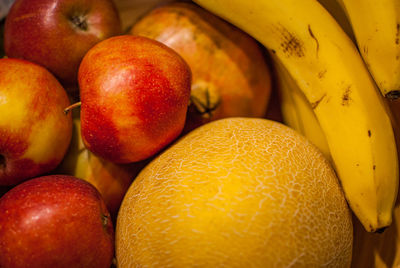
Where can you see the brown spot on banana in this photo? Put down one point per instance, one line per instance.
(322, 73)
(365, 49)
(397, 33)
(346, 96)
(313, 37)
(291, 45)
(314, 104)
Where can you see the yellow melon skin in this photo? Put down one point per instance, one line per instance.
(236, 192)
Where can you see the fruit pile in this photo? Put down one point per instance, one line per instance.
(177, 133)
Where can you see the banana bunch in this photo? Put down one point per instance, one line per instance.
(337, 11)
(376, 26)
(319, 60)
(297, 111)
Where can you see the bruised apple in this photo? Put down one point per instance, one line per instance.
(34, 130)
(231, 76)
(55, 221)
(110, 179)
(57, 33)
(134, 97)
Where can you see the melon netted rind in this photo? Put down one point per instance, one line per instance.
(237, 192)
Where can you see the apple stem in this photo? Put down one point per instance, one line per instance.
(72, 106)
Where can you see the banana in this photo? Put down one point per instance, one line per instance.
(290, 115)
(376, 25)
(330, 72)
(297, 112)
(336, 10)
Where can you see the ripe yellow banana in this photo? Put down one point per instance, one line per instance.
(290, 115)
(376, 25)
(330, 72)
(336, 10)
(297, 111)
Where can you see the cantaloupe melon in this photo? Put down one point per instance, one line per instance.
(236, 192)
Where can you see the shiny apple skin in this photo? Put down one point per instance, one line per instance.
(135, 93)
(55, 221)
(57, 33)
(34, 130)
(110, 179)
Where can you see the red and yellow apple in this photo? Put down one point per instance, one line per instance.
(134, 93)
(57, 33)
(55, 221)
(35, 132)
(111, 180)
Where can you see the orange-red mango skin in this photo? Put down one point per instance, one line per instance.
(220, 56)
(34, 130)
(135, 93)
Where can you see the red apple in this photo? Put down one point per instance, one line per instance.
(57, 33)
(135, 93)
(55, 221)
(35, 132)
(110, 179)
